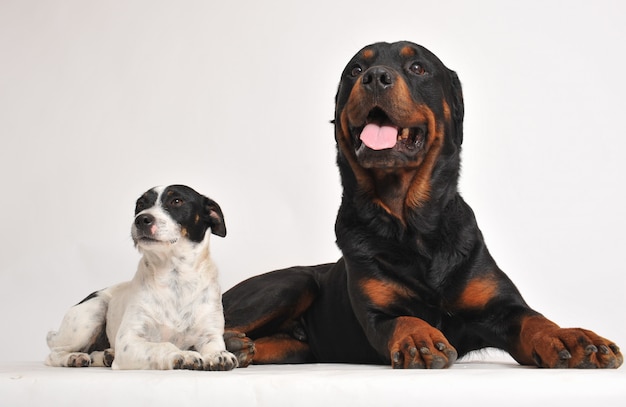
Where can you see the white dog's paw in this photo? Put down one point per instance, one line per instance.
(222, 360)
(188, 360)
(102, 358)
(78, 359)
(68, 359)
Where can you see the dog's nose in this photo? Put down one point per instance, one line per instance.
(377, 78)
(144, 220)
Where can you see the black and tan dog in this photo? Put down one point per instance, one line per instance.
(416, 287)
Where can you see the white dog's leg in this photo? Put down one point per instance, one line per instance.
(136, 353)
(82, 327)
(68, 359)
(210, 331)
(102, 358)
(215, 355)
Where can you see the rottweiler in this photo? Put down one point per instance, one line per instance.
(416, 286)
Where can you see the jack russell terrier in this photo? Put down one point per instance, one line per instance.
(170, 315)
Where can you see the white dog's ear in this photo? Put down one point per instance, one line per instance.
(214, 217)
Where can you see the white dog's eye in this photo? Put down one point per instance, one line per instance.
(176, 202)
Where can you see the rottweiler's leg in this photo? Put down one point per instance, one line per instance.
(416, 344)
(403, 341)
(493, 304)
(545, 344)
(267, 309)
(281, 348)
(241, 346)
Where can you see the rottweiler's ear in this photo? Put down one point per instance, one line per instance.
(458, 109)
(215, 217)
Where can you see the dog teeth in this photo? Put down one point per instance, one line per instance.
(404, 134)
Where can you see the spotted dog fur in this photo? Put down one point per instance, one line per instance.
(169, 316)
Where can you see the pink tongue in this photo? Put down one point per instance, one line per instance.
(379, 137)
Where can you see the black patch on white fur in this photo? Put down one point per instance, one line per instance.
(193, 212)
(147, 200)
(89, 297)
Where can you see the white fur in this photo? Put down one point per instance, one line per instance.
(171, 305)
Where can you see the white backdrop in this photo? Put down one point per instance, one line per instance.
(101, 100)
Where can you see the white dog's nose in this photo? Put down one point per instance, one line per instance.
(144, 221)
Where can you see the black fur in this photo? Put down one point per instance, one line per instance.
(416, 286)
(188, 208)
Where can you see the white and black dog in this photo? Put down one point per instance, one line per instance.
(169, 316)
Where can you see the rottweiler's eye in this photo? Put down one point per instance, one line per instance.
(417, 69)
(356, 70)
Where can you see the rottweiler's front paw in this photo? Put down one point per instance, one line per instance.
(574, 348)
(417, 345)
(241, 346)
